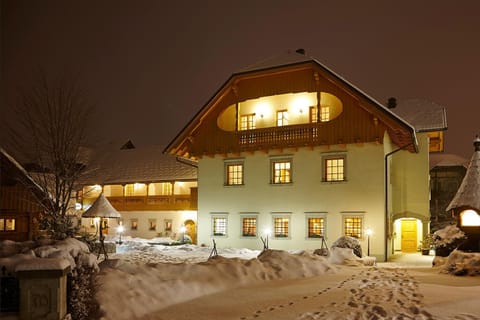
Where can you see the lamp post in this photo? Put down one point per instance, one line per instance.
(120, 230)
(183, 229)
(368, 232)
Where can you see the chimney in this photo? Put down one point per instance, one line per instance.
(391, 103)
(476, 143)
(300, 51)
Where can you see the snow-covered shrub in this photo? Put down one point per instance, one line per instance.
(82, 289)
(349, 242)
(447, 239)
(462, 263)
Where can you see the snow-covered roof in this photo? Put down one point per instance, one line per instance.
(446, 160)
(101, 208)
(140, 164)
(468, 195)
(424, 115)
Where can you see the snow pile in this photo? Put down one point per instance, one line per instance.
(154, 286)
(349, 242)
(28, 254)
(463, 263)
(447, 236)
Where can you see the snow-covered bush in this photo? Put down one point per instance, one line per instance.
(462, 263)
(447, 239)
(81, 282)
(349, 242)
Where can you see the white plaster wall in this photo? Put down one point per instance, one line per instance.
(363, 192)
(410, 181)
(177, 217)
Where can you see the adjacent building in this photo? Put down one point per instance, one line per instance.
(155, 193)
(288, 149)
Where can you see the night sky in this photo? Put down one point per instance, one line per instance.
(149, 66)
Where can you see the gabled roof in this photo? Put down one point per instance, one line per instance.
(424, 115)
(281, 62)
(468, 195)
(139, 164)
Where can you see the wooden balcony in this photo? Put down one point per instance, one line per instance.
(278, 137)
(151, 203)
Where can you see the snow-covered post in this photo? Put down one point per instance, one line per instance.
(43, 288)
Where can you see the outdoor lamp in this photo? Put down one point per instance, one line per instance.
(182, 230)
(120, 230)
(368, 232)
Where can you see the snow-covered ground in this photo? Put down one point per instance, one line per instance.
(146, 280)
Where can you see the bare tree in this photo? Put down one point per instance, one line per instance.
(51, 131)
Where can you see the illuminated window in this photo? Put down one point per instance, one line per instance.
(316, 227)
(233, 174)
(281, 227)
(282, 118)
(334, 169)
(324, 114)
(133, 224)
(249, 226)
(247, 121)
(313, 114)
(469, 218)
(353, 226)
(7, 224)
(281, 171)
(152, 224)
(160, 189)
(219, 225)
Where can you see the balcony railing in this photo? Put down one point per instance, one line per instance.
(286, 136)
(146, 203)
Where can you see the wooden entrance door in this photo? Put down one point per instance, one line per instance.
(409, 235)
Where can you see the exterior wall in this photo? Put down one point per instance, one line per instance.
(409, 179)
(361, 194)
(143, 218)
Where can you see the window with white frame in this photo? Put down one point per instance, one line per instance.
(334, 168)
(247, 121)
(219, 225)
(281, 225)
(248, 225)
(233, 173)
(282, 118)
(281, 171)
(353, 226)
(315, 225)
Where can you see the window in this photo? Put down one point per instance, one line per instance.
(133, 224)
(282, 118)
(334, 169)
(233, 174)
(168, 224)
(353, 226)
(152, 224)
(219, 225)
(316, 227)
(281, 227)
(249, 226)
(281, 171)
(7, 224)
(313, 114)
(324, 113)
(247, 121)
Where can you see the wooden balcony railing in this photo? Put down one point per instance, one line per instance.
(148, 203)
(287, 136)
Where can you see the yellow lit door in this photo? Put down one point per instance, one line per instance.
(409, 235)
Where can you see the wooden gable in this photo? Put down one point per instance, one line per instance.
(362, 120)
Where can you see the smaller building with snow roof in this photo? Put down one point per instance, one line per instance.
(155, 193)
(465, 206)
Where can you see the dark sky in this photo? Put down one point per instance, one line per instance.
(149, 66)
